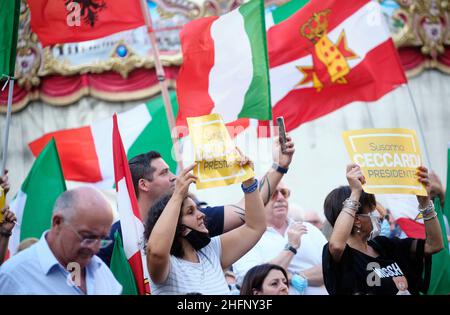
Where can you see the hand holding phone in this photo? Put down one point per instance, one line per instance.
(282, 133)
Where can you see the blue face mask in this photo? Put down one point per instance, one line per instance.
(299, 283)
(385, 229)
(396, 232)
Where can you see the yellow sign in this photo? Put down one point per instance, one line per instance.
(218, 160)
(388, 158)
(2, 202)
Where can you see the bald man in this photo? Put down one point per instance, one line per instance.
(64, 261)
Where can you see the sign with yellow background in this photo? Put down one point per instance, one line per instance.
(388, 158)
(2, 203)
(215, 153)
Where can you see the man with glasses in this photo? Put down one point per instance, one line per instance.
(152, 179)
(63, 261)
(296, 246)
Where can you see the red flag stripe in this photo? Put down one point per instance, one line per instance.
(122, 170)
(296, 106)
(74, 145)
(412, 228)
(48, 16)
(284, 41)
(197, 45)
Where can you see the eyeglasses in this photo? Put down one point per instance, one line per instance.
(89, 241)
(371, 215)
(285, 192)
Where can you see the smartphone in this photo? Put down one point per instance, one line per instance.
(2, 202)
(282, 133)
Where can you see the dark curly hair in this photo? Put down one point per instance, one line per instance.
(254, 278)
(153, 216)
(333, 202)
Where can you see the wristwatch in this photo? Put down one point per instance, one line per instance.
(4, 233)
(279, 168)
(290, 248)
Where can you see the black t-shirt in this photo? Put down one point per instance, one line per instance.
(358, 273)
(214, 223)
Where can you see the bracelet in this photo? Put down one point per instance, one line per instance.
(4, 233)
(430, 218)
(351, 204)
(250, 188)
(279, 168)
(427, 210)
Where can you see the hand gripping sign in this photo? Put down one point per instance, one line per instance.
(388, 158)
(217, 157)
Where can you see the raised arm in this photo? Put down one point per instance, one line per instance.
(9, 220)
(294, 233)
(163, 233)
(234, 214)
(237, 242)
(433, 233)
(344, 222)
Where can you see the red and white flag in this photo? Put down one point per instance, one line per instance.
(130, 220)
(404, 209)
(329, 54)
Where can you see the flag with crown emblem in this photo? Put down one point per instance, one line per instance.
(327, 55)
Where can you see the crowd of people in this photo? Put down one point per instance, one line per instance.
(254, 247)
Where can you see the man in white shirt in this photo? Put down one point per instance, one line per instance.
(64, 261)
(293, 245)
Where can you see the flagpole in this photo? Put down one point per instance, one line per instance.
(160, 74)
(8, 123)
(422, 134)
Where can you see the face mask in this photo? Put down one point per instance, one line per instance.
(197, 239)
(396, 232)
(376, 228)
(385, 228)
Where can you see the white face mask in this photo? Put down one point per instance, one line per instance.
(376, 227)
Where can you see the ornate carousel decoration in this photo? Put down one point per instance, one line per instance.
(421, 31)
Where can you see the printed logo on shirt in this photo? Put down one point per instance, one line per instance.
(393, 270)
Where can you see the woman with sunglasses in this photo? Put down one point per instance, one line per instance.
(295, 246)
(358, 261)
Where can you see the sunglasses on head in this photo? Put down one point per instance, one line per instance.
(285, 192)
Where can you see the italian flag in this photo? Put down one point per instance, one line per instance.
(85, 152)
(121, 269)
(33, 204)
(225, 67)
(283, 12)
(128, 209)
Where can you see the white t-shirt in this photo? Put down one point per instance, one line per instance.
(205, 277)
(272, 244)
